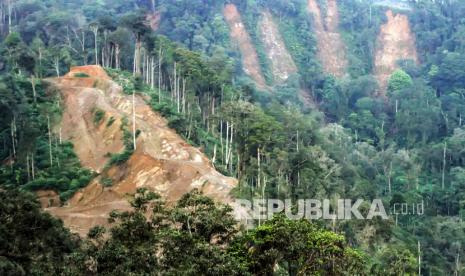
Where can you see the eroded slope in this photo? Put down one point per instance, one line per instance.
(331, 48)
(395, 42)
(282, 65)
(163, 161)
(242, 38)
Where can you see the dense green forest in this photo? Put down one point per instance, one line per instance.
(406, 147)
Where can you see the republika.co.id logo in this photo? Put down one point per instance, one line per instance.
(313, 209)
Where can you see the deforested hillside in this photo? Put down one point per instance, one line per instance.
(282, 65)
(96, 116)
(396, 42)
(331, 48)
(241, 39)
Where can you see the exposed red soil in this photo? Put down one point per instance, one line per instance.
(241, 38)
(282, 65)
(332, 51)
(48, 198)
(163, 161)
(395, 42)
(93, 71)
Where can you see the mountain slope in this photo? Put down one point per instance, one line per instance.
(331, 48)
(281, 61)
(163, 161)
(242, 38)
(395, 42)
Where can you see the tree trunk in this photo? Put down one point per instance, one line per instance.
(57, 66)
(152, 75)
(159, 75)
(33, 167)
(9, 16)
(95, 31)
(444, 166)
(33, 83)
(13, 136)
(419, 258)
(50, 141)
(457, 264)
(137, 55)
(28, 168)
(134, 119)
(117, 53)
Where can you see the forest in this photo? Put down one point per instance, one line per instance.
(407, 146)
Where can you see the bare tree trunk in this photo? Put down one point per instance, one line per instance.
(112, 54)
(389, 178)
(230, 147)
(227, 143)
(159, 75)
(134, 119)
(152, 75)
(153, 5)
(84, 54)
(444, 166)
(221, 141)
(174, 82)
(2, 16)
(184, 96)
(33, 167)
(117, 53)
(28, 169)
(259, 172)
(297, 144)
(13, 136)
(57, 66)
(214, 154)
(33, 83)
(9, 16)
(57, 157)
(40, 63)
(137, 56)
(50, 141)
(457, 264)
(94, 29)
(419, 258)
(178, 97)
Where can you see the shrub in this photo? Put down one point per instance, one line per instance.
(98, 116)
(110, 121)
(106, 182)
(120, 158)
(81, 75)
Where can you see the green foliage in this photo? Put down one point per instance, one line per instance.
(299, 248)
(110, 121)
(31, 242)
(106, 182)
(198, 236)
(62, 171)
(81, 75)
(399, 80)
(124, 79)
(121, 158)
(98, 116)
